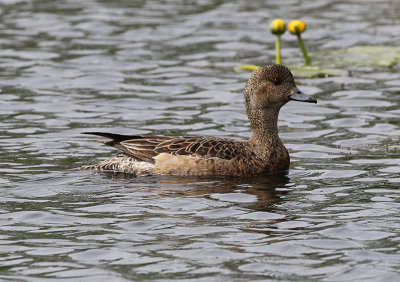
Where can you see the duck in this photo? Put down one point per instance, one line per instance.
(267, 90)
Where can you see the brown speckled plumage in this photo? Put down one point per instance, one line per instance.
(267, 90)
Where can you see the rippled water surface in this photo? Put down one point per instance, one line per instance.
(166, 67)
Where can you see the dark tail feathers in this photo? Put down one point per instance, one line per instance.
(114, 138)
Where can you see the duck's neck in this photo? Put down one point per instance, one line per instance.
(264, 126)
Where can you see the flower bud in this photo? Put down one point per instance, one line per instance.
(297, 27)
(277, 27)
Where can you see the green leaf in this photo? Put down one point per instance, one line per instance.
(243, 68)
(310, 71)
(299, 71)
(383, 56)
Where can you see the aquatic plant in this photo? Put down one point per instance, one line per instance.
(297, 27)
(329, 62)
(278, 27)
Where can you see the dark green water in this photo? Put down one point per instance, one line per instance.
(166, 67)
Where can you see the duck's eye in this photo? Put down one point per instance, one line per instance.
(276, 81)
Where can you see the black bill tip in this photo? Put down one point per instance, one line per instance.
(298, 95)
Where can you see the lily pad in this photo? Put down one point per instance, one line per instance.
(300, 71)
(336, 62)
(245, 68)
(311, 71)
(383, 56)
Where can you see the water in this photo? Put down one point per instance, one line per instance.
(166, 68)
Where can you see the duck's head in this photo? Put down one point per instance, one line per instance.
(272, 87)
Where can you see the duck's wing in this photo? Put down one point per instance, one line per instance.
(207, 147)
(140, 147)
(145, 147)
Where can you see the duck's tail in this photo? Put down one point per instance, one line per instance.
(112, 138)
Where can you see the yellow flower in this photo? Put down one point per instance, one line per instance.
(277, 27)
(296, 27)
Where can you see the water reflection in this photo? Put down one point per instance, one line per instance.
(256, 193)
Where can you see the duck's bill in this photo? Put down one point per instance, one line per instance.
(301, 97)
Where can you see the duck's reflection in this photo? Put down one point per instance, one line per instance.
(266, 189)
